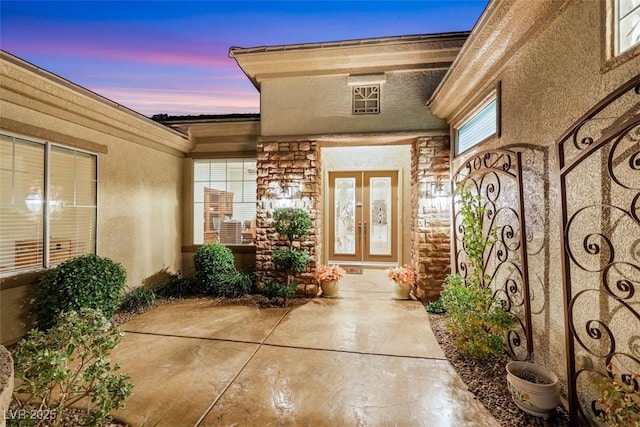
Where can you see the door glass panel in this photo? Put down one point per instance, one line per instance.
(345, 223)
(380, 214)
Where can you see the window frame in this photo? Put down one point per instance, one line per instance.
(231, 157)
(612, 57)
(46, 205)
(366, 110)
(617, 21)
(493, 95)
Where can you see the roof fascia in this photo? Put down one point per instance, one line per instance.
(502, 29)
(349, 57)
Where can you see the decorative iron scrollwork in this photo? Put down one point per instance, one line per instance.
(601, 246)
(497, 177)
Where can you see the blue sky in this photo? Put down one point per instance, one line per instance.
(172, 56)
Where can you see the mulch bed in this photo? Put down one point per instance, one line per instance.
(256, 300)
(488, 381)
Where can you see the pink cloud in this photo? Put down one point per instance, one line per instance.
(178, 102)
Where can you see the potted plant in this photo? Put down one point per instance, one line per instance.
(403, 279)
(328, 276)
(534, 389)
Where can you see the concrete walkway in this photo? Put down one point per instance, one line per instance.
(360, 359)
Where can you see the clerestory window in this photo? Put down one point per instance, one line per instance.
(627, 24)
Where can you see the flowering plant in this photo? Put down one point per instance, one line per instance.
(400, 275)
(329, 272)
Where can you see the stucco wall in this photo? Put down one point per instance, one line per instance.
(323, 105)
(550, 82)
(139, 176)
(139, 213)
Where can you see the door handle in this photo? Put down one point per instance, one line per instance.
(365, 230)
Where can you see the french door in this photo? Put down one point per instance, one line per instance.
(363, 216)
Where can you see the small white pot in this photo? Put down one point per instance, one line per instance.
(329, 288)
(535, 398)
(400, 290)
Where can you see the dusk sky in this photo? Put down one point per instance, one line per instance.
(172, 56)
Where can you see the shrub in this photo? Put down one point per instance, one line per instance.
(290, 260)
(619, 399)
(178, 287)
(88, 281)
(292, 223)
(57, 368)
(210, 262)
(435, 307)
(139, 298)
(477, 321)
(273, 289)
(231, 285)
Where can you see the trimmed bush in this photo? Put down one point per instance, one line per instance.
(231, 285)
(273, 289)
(138, 299)
(69, 362)
(178, 287)
(291, 260)
(210, 262)
(435, 307)
(292, 223)
(88, 281)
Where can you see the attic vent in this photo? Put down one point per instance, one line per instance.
(366, 99)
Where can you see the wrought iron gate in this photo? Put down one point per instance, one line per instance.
(496, 176)
(599, 173)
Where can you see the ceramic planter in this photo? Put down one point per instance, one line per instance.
(329, 288)
(400, 290)
(535, 390)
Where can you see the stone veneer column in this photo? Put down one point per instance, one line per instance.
(287, 162)
(430, 226)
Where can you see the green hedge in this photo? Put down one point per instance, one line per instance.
(87, 281)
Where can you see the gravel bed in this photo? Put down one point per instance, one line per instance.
(488, 381)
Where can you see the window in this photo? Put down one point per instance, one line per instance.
(224, 199)
(481, 125)
(47, 193)
(366, 99)
(627, 24)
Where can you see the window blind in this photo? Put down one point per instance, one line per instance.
(64, 199)
(72, 204)
(479, 127)
(21, 203)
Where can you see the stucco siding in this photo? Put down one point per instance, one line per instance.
(549, 83)
(323, 105)
(140, 166)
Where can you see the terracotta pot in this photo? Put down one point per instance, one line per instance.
(329, 288)
(539, 396)
(401, 290)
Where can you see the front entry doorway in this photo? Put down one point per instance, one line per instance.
(363, 216)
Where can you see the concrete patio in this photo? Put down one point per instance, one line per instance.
(351, 360)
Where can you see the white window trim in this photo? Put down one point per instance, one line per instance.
(494, 95)
(227, 158)
(612, 57)
(617, 29)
